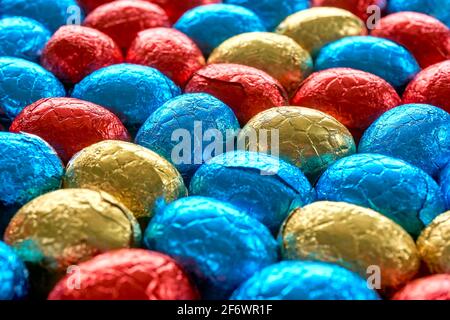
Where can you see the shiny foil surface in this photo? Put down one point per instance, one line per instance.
(74, 52)
(13, 275)
(307, 138)
(196, 114)
(425, 37)
(246, 90)
(360, 8)
(304, 280)
(313, 28)
(431, 86)
(22, 37)
(176, 8)
(435, 287)
(427, 126)
(23, 82)
(263, 186)
(168, 50)
(216, 243)
(89, 5)
(381, 57)
(69, 125)
(439, 9)
(136, 176)
(127, 274)
(434, 245)
(279, 56)
(210, 25)
(130, 91)
(353, 237)
(123, 20)
(353, 97)
(444, 180)
(392, 187)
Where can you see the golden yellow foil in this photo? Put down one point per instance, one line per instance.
(136, 176)
(434, 244)
(313, 28)
(279, 56)
(357, 238)
(308, 138)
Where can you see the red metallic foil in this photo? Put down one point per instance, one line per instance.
(431, 86)
(122, 20)
(89, 5)
(69, 125)
(435, 287)
(355, 98)
(246, 90)
(427, 38)
(73, 52)
(128, 274)
(357, 7)
(176, 8)
(168, 50)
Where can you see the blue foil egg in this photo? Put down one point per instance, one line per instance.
(439, 9)
(416, 133)
(188, 130)
(22, 37)
(444, 180)
(212, 24)
(305, 280)
(13, 275)
(378, 56)
(215, 242)
(23, 82)
(51, 13)
(265, 187)
(400, 191)
(272, 12)
(132, 92)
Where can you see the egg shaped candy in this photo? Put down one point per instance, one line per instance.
(435, 287)
(444, 180)
(13, 275)
(439, 9)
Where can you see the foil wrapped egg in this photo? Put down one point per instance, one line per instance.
(439, 9)
(426, 125)
(434, 245)
(307, 138)
(304, 280)
(361, 8)
(313, 28)
(134, 175)
(435, 287)
(13, 275)
(277, 55)
(444, 180)
(354, 237)
(217, 244)
(126, 274)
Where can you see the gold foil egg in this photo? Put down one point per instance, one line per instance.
(354, 237)
(434, 244)
(307, 138)
(278, 55)
(313, 28)
(136, 176)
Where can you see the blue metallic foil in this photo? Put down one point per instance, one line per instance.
(272, 12)
(416, 133)
(439, 9)
(263, 186)
(51, 13)
(22, 37)
(217, 244)
(23, 82)
(305, 280)
(444, 180)
(378, 56)
(210, 25)
(192, 116)
(13, 275)
(130, 91)
(400, 191)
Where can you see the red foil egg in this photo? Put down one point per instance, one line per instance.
(355, 98)
(427, 38)
(127, 274)
(73, 52)
(246, 90)
(89, 5)
(176, 8)
(168, 50)
(435, 287)
(122, 20)
(357, 7)
(69, 125)
(431, 86)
